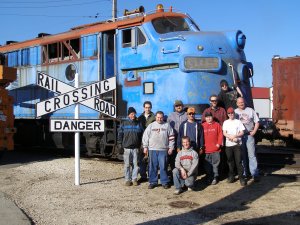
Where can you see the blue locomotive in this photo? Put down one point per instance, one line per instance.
(159, 56)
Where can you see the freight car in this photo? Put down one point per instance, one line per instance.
(7, 130)
(286, 93)
(159, 56)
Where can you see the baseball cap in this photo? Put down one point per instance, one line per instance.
(191, 110)
(230, 110)
(207, 114)
(178, 102)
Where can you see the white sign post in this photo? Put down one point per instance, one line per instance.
(69, 95)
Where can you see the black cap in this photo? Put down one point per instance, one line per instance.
(130, 110)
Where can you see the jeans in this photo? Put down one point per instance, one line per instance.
(130, 159)
(179, 182)
(212, 161)
(248, 155)
(233, 154)
(158, 159)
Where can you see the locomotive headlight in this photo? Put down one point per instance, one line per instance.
(237, 39)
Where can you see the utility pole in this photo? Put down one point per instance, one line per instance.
(114, 10)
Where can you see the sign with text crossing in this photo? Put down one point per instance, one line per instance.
(76, 125)
(68, 95)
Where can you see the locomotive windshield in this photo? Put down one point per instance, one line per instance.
(170, 24)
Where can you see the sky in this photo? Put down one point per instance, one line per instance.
(271, 27)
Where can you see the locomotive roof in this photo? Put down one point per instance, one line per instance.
(76, 32)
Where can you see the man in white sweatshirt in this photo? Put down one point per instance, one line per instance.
(158, 142)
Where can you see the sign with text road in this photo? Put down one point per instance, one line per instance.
(76, 125)
(68, 95)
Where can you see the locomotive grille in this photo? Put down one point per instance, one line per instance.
(201, 63)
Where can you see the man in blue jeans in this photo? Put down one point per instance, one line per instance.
(130, 137)
(158, 142)
(250, 120)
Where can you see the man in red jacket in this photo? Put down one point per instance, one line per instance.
(213, 140)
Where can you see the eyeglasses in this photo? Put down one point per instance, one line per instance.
(191, 114)
(177, 105)
(213, 100)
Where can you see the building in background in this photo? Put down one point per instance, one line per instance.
(262, 100)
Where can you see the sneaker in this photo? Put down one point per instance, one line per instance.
(177, 191)
(166, 186)
(128, 183)
(243, 182)
(135, 183)
(256, 179)
(191, 189)
(230, 179)
(214, 182)
(151, 186)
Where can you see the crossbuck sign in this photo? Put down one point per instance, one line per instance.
(68, 95)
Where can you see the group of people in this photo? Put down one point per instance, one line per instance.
(227, 126)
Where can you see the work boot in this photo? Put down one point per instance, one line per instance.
(243, 182)
(230, 179)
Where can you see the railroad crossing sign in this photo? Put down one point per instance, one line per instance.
(68, 95)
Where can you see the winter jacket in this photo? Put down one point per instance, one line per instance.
(130, 133)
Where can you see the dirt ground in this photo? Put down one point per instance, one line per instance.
(44, 189)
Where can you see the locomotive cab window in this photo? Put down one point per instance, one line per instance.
(133, 37)
(126, 41)
(170, 24)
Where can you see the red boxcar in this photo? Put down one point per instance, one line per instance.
(286, 94)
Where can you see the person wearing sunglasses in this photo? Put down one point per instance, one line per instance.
(193, 130)
(218, 113)
(233, 130)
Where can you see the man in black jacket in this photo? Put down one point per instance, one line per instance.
(130, 137)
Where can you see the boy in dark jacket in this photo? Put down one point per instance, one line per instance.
(130, 137)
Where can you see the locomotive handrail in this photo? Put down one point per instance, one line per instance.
(179, 37)
(232, 70)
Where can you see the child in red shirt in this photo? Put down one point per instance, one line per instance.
(213, 140)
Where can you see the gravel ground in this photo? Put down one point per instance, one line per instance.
(45, 191)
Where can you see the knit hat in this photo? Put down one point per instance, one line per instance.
(230, 110)
(207, 114)
(191, 110)
(178, 102)
(131, 110)
(222, 82)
